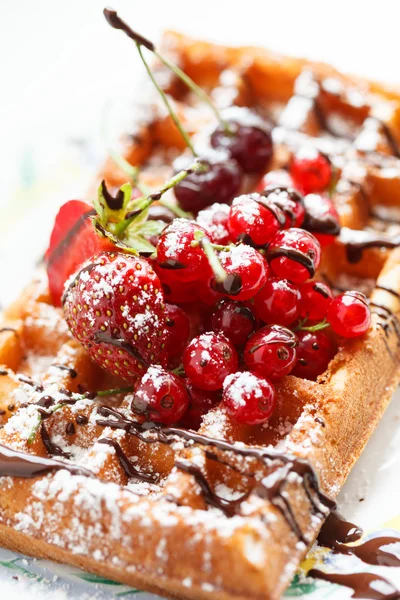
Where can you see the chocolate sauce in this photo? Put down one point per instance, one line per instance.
(356, 241)
(48, 444)
(73, 283)
(3, 372)
(391, 140)
(9, 329)
(21, 464)
(172, 264)
(82, 420)
(105, 338)
(231, 285)
(388, 290)
(303, 259)
(117, 23)
(292, 194)
(70, 428)
(315, 223)
(273, 207)
(320, 289)
(29, 381)
(362, 584)
(72, 373)
(65, 242)
(337, 530)
(130, 470)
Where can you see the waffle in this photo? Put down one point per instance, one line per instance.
(228, 512)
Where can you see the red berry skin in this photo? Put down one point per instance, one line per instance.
(208, 359)
(310, 171)
(253, 218)
(279, 177)
(349, 314)
(180, 252)
(235, 320)
(115, 308)
(321, 218)
(248, 140)
(249, 265)
(177, 333)
(219, 182)
(214, 220)
(174, 290)
(314, 352)
(290, 202)
(278, 302)
(271, 352)
(161, 396)
(294, 254)
(248, 398)
(73, 240)
(316, 297)
(200, 403)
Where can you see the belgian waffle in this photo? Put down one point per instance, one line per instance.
(230, 511)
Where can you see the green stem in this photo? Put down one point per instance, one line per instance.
(111, 392)
(168, 106)
(217, 268)
(176, 210)
(312, 328)
(196, 89)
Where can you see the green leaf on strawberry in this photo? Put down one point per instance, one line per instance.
(109, 208)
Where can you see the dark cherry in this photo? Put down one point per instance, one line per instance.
(316, 298)
(208, 359)
(278, 302)
(235, 320)
(271, 352)
(246, 137)
(214, 220)
(200, 403)
(178, 330)
(314, 352)
(254, 219)
(294, 254)
(248, 266)
(160, 396)
(349, 314)
(248, 398)
(311, 171)
(220, 181)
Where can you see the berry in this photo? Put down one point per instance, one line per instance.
(294, 254)
(208, 359)
(321, 218)
(180, 252)
(248, 398)
(73, 240)
(278, 302)
(271, 352)
(247, 138)
(311, 171)
(254, 219)
(220, 181)
(235, 320)
(178, 330)
(200, 403)
(280, 178)
(161, 396)
(115, 308)
(289, 201)
(214, 220)
(316, 298)
(247, 270)
(349, 314)
(175, 291)
(313, 354)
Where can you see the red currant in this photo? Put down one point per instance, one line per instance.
(178, 329)
(200, 403)
(313, 354)
(161, 396)
(294, 254)
(246, 137)
(349, 314)
(321, 218)
(235, 320)
(247, 268)
(208, 359)
(280, 178)
(254, 219)
(215, 221)
(289, 201)
(220, 181)
(248, 398)
(316, 298)
(271, 352)
(179, 251)
(278, 302)
(311, 171)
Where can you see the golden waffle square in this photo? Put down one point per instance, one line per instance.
(229, 512)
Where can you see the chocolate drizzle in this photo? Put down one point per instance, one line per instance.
(130, 470)
(65, 242)
(303, 259)
(20, 464)
(103, 337)
(356, 241)
(72, 373)
(48, 444)
(364, 585)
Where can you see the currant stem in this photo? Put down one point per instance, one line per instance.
(217, 268)
(167, 104)
(176, 209)
(312, 328)
(111, 392)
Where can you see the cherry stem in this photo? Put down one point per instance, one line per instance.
(209, 250)
(176, 209)
(167, 103)
(317, 327)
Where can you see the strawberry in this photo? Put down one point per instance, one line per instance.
(115, 307)
(72, 242)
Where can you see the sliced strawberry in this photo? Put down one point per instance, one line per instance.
(73, 240)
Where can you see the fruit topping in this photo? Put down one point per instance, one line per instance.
(248, 398)
(271, 352)
(314, 352)
(208, 359)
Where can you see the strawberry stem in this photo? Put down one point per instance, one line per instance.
(167, 104)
